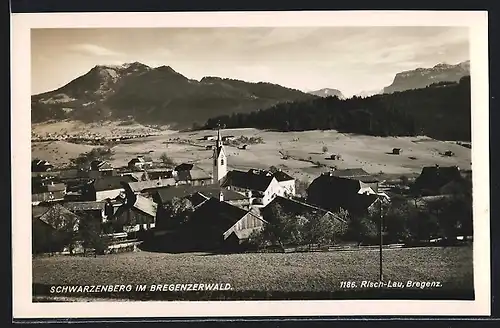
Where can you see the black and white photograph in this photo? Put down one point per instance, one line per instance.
(240, 158)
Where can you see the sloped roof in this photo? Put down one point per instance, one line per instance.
(332, 192)
(282, 176)
(298, 207)
(166, 194)
(279, 175)
(145, 205)
(217, 216)
(192, 175)
(38, 210)
(113, 182)
(85, 206)
(435, 177)
(247, 180)
(61, 210)
(184, 167)
(138, 186)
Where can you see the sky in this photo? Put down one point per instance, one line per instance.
(351, 59)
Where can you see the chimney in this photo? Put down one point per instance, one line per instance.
(221, 196)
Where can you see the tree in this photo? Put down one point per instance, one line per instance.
(273, 169)
(318, 229)
(325, 149)
(167, 161)
(281, 228)
(179, 210)
(91, 236)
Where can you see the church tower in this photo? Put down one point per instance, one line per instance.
(219, 159)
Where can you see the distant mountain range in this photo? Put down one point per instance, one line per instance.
(423, 77)
(137, 92)
(134, 91)
(327, 92)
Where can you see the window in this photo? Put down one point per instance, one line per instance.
(222, 161)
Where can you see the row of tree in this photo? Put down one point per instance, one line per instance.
(403, 221)
(441, 111)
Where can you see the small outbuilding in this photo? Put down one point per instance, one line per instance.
(449, 153)
(397, 151)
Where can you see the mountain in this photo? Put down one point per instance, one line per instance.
(422, 77)
(134, 91)
(441, 111)
(327, 92)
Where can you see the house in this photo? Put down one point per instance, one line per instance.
(47, 193)
(94, 209)
(184, 167)
(262, 188)
(397, 151)
(195, 177)
(208, 138)
(159, 173)
(352, 191)
(215, 225)
(106, 187)
(164, 195)
(38, 165)
(140, 163)
(433, 178)
(102, 166)
(140, 186)
(52, 227)
(136, 214)
(286, 181)
(228, 138)
(297, 208)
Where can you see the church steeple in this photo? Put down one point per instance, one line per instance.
(219, 163)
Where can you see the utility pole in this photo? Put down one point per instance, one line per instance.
(381, 235)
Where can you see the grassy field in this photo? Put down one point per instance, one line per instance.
(266, 276)
(304, 148)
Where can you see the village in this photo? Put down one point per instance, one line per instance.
(193, 209)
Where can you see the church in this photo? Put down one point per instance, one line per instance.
(260, 187)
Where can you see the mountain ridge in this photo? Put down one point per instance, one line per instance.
(419, 78)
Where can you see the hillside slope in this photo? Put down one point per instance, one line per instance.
(134, 91)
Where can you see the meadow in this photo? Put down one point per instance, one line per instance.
(306, 158)
(316, 275)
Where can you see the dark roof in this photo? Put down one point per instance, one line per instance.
(331, 192)
(184, 167)
(297, 207)
(435, 177)
(38, 210)
(112, 182)
(279, 175)
(349, 173)
(282, 176)
(192, 175)
(247, 180)
(216, 216)
(166, 194)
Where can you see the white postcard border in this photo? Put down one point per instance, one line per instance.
(23, 307)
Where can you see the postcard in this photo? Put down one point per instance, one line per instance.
(250, 164)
